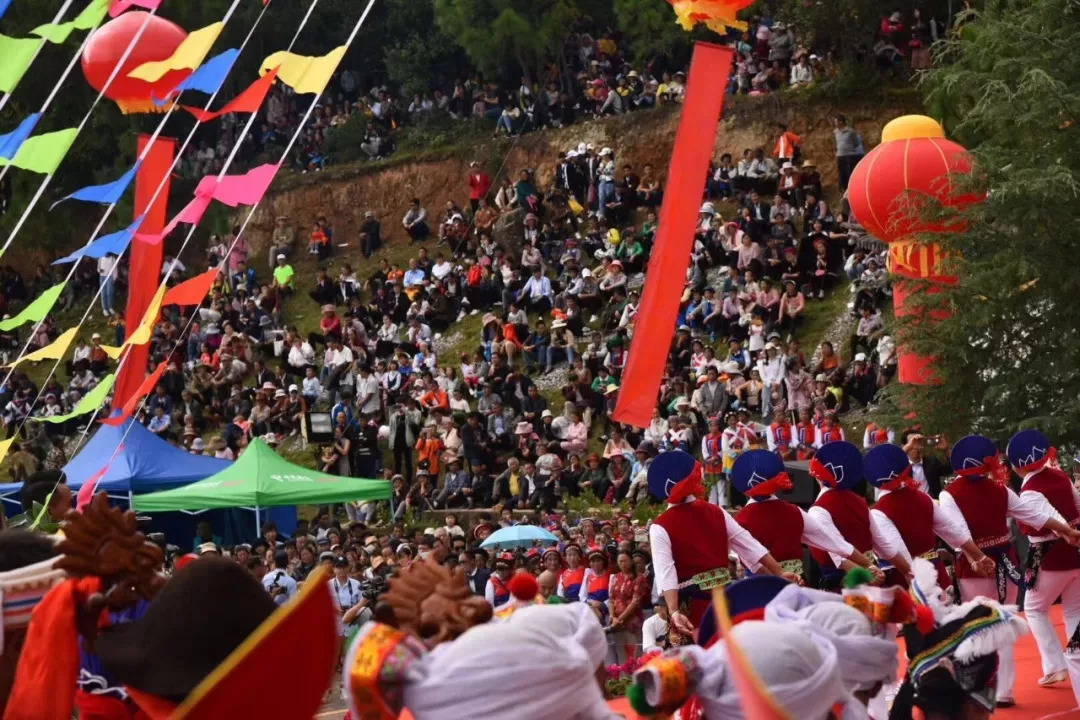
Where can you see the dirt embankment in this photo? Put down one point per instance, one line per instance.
(343, 194)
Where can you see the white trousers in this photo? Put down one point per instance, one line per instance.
(1048, 586)
(971, 588)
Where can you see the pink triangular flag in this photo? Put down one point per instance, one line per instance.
(86, 492)
(191, 214)
(246, 189)
(121, 6)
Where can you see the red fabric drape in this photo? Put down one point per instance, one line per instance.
(655, 320)
(145, 275)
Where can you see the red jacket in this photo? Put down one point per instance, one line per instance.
(479, 184)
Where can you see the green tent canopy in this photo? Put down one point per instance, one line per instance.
(261, 478)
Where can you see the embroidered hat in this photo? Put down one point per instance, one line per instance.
(746, 600)
(974, 455)
(1029, 450)
(666, 473)
(837, 465)
(760, 473)
(887, 467)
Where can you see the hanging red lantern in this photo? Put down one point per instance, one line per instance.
(107, 45)
(892, 182)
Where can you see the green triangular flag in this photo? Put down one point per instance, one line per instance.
(88, 19)
(90, 402)
(35, 311)
(43, 153)
(15, 56)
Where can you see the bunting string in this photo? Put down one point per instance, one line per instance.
(6, 84)
(251, 213)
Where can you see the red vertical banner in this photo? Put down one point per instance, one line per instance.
(145, 258)
(654, 326)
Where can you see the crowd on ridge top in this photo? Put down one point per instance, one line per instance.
(599, 80)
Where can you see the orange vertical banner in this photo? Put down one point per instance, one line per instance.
(654, 326)
(145, 268)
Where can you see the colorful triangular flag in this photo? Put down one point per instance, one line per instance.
(17, 54)
(144, 389)
(53, 351)
(12, 141)
(88, 19)
(193, 291)
(35, 311)
(233, 190)
(191, 214)
(187, 56)
(4, 5)
(90, 402)
(303, 73)
(208, 77)
(249, 101)
(43, 153)
(119, 6)
(106, 194)
(115, 243)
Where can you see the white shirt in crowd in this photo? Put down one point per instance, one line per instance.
(106, 267)
(745, 546)
(279, 579)
(651, 630)
(537, 287)
(368, 387)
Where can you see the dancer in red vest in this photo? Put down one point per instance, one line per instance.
(571, 578)
(838, 467)
(497, 591)
(875, 435)
(712, 457)
(780, 526)
(907, 514)
(829, 430)
(690, 540)
(1053, 567)
(981, 495)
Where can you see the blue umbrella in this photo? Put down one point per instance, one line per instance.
(518, 536)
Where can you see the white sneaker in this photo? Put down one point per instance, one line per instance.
(1053, 678)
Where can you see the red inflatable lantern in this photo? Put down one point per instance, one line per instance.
(158, 41)
(893, 180)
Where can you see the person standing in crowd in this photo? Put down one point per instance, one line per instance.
(848, 149)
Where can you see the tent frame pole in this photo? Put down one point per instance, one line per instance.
(258, 523)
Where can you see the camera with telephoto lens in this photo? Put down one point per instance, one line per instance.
(373, 588)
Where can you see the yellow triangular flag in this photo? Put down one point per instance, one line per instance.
(303, 73)
(145, 331)
(5, 445)
(113, 352)
(53, 351)
(187, 56)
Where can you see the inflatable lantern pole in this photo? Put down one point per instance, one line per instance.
(913, 162)
(158, 42)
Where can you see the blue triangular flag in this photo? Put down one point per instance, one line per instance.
(106, 194)
(10, 143)
(206, 78)
(115, 243)
(4, 5)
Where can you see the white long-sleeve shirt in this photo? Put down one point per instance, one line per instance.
(885, 546)
(947, 526)
(746, 547)
(1028, 510)
(653, 627)
(489, 592)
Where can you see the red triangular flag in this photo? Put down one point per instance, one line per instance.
(248, 101)
(142, 391)
(191, 292)
(86, 492)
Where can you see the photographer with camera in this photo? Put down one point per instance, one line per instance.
(277, 582)
(353, 604)
(927, 469)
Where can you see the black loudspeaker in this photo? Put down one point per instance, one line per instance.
(320, 428)
(805, 489)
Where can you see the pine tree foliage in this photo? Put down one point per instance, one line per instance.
(1007, 86)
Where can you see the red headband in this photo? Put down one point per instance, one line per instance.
(991, 465)
(689, 485)
(775, 484)
(904, 479)
(1050, 456)
(822, 474)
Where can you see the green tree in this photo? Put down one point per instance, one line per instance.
(649, 29)
(1009, 353)
(499, 34)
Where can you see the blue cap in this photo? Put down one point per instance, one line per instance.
(971, 452)
(744, 596)
(667, 469)
(884, 463)
(754, 467)
(1027, 447)
(844, 461)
